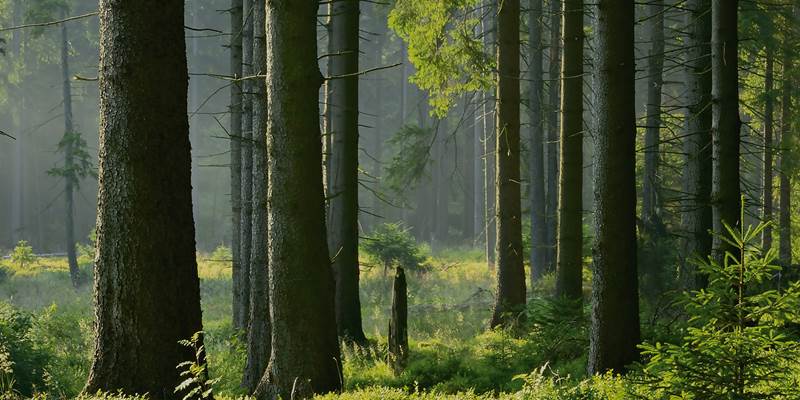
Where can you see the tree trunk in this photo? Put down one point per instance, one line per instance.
(489, 139)
(258, 329)
(398, 325)
(147, 293)
(614, 332)
(510, 298)
(235, 110)
(537, 189)
(696, 205)
(726, 192)
(552, 146)
(242, 308)
(70, 178)
(305, 358)
(785, 218)
(769, 79)
(655, 67)
(343, 190)
(569, 281)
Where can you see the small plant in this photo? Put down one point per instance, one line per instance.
(196, 384)
(392, 245)
(222, 253)
(736, 344)
(6, 374)
(22, 254)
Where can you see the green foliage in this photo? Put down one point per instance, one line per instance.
(222, 253)
(21, 356)
(736, 345)
(392, 245)
(412, 146)
(196, 383)
(22, 255)
(444, 47)
(80, 166)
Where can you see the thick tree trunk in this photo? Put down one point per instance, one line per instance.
(489, 139)
(70, 178)
(258, 329)
(510, 298)
(726, 192)
(696, 205)
(343, 189)
(785, 218)
(652, 140)
(305, 357)
(769, 107)
(552, 147)
(614, 332)
(535, 116)
(235, 109)
(398, 325)
(242, 308)
(147, 293)
(569, 280)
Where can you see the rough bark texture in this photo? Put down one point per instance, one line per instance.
(614, 332)
(235, 110)
(726, 192)
(696, 217)
(552, 146)
(70, 175)
(785, 219)
(536, 142)
(510, 298)
(652, 140)
(769, 110)
(305, 357)
(242, 308)
(343, 176)
(147, 293)
(398, 325)
(258, 328)
(569, 281)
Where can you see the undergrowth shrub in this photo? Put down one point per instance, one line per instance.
(392, 245)
(23, 357)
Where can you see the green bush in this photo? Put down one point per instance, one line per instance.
(22, 255)
(736, 344)
(392, 245)
(22, 356)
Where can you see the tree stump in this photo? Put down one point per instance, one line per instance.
(398, 325)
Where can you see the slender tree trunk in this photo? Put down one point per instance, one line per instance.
(655, 68)
(398, 325)
(70, 178)
(785, 218)
(726, 192)
(470, 179)
(235, 110)
(510, 299)
(769, 106)
(147, 293)
(696, 206)
(343, 190)
(478, 174)
(242, 309)
(489, 136)
(569, 280)
(535, 115)
(305, 358)
(552, 146)
(258, 330)
(614, 332)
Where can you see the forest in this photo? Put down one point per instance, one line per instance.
(399, 199)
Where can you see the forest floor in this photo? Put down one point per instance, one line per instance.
(451, 350)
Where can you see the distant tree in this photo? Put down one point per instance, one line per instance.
(614, 332)
(652, 140)
(147, 292)
(305, 358)
(552, 143)
(235, 109)
(538, 212)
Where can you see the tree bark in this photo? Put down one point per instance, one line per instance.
(147, 293)
(785, 218)
(552, 146)
(569, 280)
(398, 325)
(305, 358)
(258, 330)
(242, 309)
(726, 192)
(535, 116)
(614, 332)
(696, 205)
(769, 107)
(70, 177)
(343, 190)
(489, 139)
(510, 298)
(652, 140)
(235, 109)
